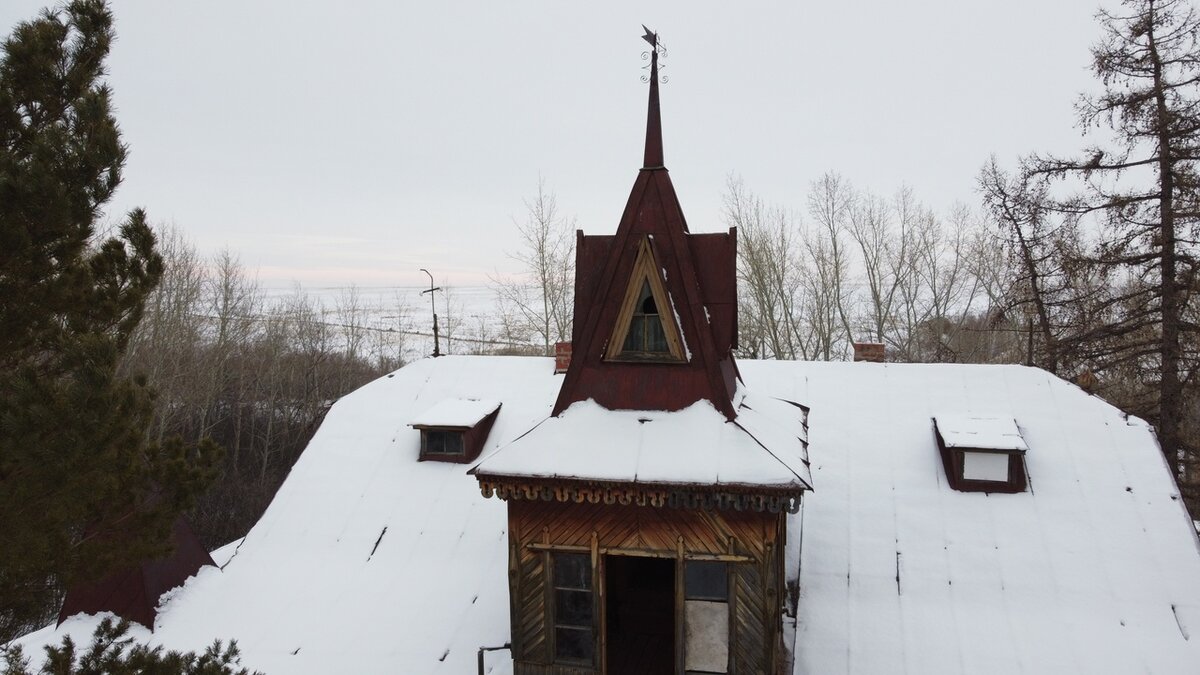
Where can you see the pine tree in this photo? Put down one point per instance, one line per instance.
(113, 652)
(81, 489)
(1146, 188)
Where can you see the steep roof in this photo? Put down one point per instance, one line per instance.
(1094, 569)
(696, 271)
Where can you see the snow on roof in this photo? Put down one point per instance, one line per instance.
(976, 431)
(456, 412)
(1094, 569)
(696, 445)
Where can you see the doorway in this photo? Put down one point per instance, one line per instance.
(640, 611)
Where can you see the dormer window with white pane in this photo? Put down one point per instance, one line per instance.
(981, 453)
(455, 430)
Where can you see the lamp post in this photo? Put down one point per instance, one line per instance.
(437, 351)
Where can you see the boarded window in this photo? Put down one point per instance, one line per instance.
(706, 617)
(991, 466)
(573, 626)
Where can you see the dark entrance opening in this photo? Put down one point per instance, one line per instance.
(640, 610)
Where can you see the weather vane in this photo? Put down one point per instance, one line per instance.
(656, 48)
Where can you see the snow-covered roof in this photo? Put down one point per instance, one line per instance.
(693, 446)
(1095, 569)
(979, 431)
(456, 412)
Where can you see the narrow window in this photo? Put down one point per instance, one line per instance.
(706, 616)
(646, 327)
(646, 334)
(573, 636)
(442, 442)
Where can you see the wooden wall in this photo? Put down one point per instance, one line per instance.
(751, 542)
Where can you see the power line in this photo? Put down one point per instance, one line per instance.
(375, 329)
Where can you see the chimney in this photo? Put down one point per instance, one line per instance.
(562, 357)
(872, 352)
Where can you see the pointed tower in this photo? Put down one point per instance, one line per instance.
(655, 305)
(647, 513)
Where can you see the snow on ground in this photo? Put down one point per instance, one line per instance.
(368, 561)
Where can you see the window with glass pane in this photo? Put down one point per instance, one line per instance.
(646, 333)
(443, 442)
(573, 626)
(704, 580)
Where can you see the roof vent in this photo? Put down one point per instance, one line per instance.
(981, 454)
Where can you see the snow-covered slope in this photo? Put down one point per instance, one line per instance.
(1094, 570)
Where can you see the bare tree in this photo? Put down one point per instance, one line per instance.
(351, 318)
(886, 243)
(543, 299)
(1145, 187)
(829, 204)
(772, 282)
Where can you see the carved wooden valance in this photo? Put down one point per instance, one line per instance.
(707, 497)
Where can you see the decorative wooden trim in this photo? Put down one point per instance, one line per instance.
(645, 268)
(706, 497)
(638, 553)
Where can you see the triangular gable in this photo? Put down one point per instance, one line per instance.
(706, 371)
(646, 327)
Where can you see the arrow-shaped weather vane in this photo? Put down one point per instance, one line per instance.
(650, 37)
(656, 49)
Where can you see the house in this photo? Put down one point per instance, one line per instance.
(661, 508)
(647, 516)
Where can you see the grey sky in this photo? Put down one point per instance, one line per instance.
(340, 142)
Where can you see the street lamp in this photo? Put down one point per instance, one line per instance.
(437, 351)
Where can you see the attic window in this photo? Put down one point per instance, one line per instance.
(982, 454)
(441, 442)
(455, 430)
(646, 334)
(645, 328)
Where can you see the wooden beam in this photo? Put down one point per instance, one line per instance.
(641, 552)
(680, 604)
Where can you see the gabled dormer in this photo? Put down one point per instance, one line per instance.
(655, 305)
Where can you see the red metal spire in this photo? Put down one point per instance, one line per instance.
(654, 144)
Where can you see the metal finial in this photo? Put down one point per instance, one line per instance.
(650, 37)
(658, 49)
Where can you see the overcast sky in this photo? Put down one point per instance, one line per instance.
(355, 142)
